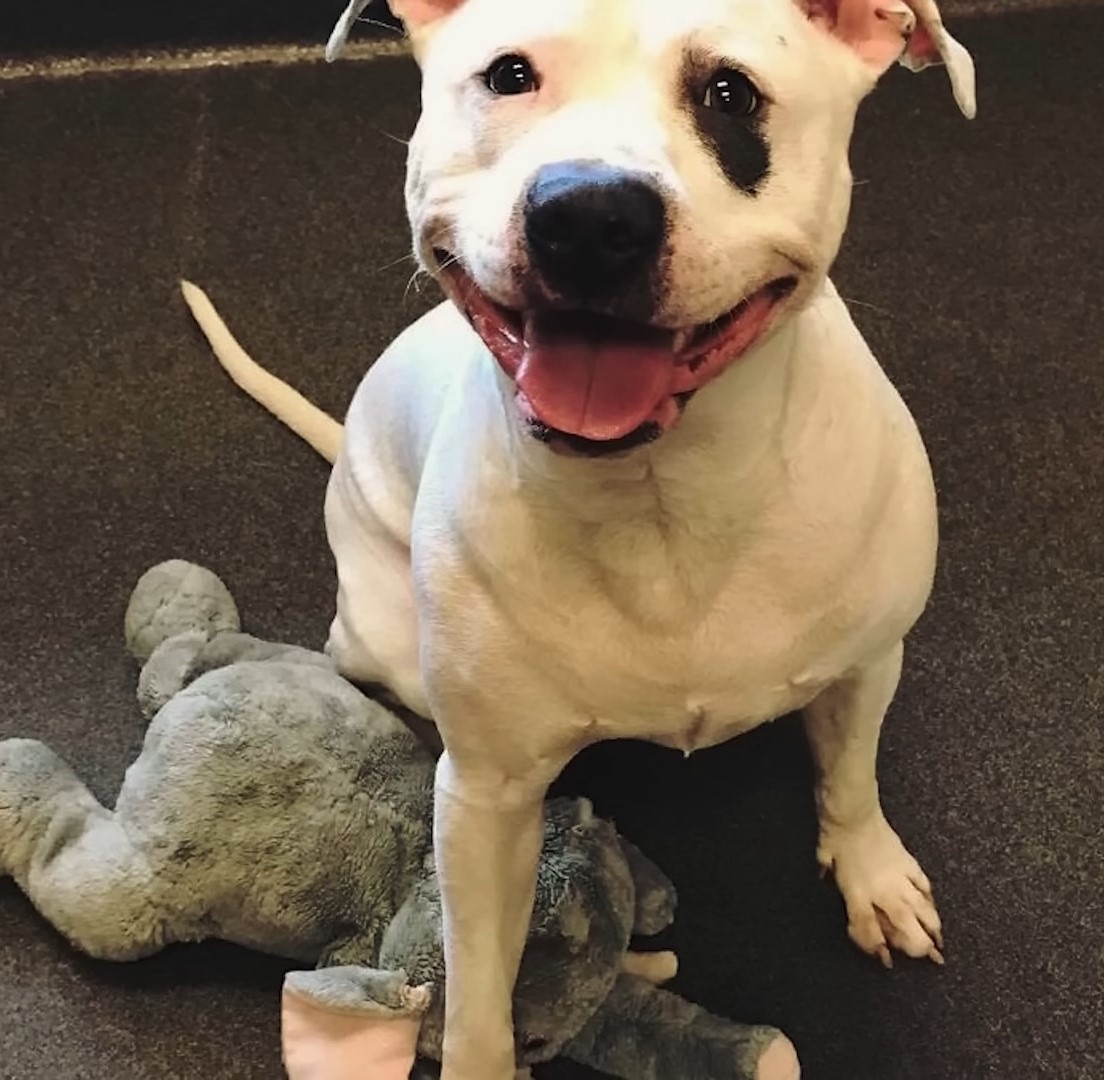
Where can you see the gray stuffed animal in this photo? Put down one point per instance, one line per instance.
(275, 806)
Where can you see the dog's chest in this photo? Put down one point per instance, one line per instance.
(682, 644)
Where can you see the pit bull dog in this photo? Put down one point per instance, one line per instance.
(640, 477)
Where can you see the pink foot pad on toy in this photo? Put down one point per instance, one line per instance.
(779, 1061)
(323, 1043)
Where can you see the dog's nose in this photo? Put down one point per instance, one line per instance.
(592, 227)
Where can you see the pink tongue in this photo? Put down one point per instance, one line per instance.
(593, 376)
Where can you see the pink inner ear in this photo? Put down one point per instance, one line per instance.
(328, 1044)
(420, 12)
(878, 30)
(922, 47)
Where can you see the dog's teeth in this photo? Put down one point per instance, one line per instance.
(682, 339)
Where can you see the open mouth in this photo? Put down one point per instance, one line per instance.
(596, 385)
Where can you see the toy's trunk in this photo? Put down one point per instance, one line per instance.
(643, 1033)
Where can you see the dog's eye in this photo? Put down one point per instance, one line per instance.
(511, 75)
(732, 92)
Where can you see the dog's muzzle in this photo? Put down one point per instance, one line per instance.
(594, 372)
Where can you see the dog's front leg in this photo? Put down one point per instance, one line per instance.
(488, 831)
(888, 897)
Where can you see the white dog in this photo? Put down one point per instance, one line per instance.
(545, 534)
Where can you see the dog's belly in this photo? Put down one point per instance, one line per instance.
(698, 721)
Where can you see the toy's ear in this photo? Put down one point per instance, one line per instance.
(176, 597)
(911, 32)
(415, 14)
(351, 1023)
(656, 898)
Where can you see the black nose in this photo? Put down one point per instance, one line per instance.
(591, 227)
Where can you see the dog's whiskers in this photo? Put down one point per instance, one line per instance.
(412, 256)
(394, 138)
(408, 257)
(367, 20)
(413, 284)
(862, 303)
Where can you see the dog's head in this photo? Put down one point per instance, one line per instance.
(624, 196)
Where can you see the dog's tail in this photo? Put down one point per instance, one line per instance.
(306, 419)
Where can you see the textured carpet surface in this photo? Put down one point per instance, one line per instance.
(975, 266)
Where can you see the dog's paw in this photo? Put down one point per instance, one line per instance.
(888, 897)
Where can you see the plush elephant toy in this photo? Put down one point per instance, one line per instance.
(276, 806)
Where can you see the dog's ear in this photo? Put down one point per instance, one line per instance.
(414, 15)
(910, 32)
(931, 44)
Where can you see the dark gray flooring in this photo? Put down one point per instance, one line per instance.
(975, 264)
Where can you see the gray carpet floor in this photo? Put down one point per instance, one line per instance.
(975, 267)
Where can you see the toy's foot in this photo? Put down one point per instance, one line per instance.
(656, 968)
(889, 898)
(359, 990)
(32, 777)
(779, 1061)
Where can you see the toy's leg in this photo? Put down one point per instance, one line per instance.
(355, 951)
(888, 897)
(642, 1033)
(71, 857)
(656, 968)
(423, 728)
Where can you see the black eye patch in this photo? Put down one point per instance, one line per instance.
(729, 115)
